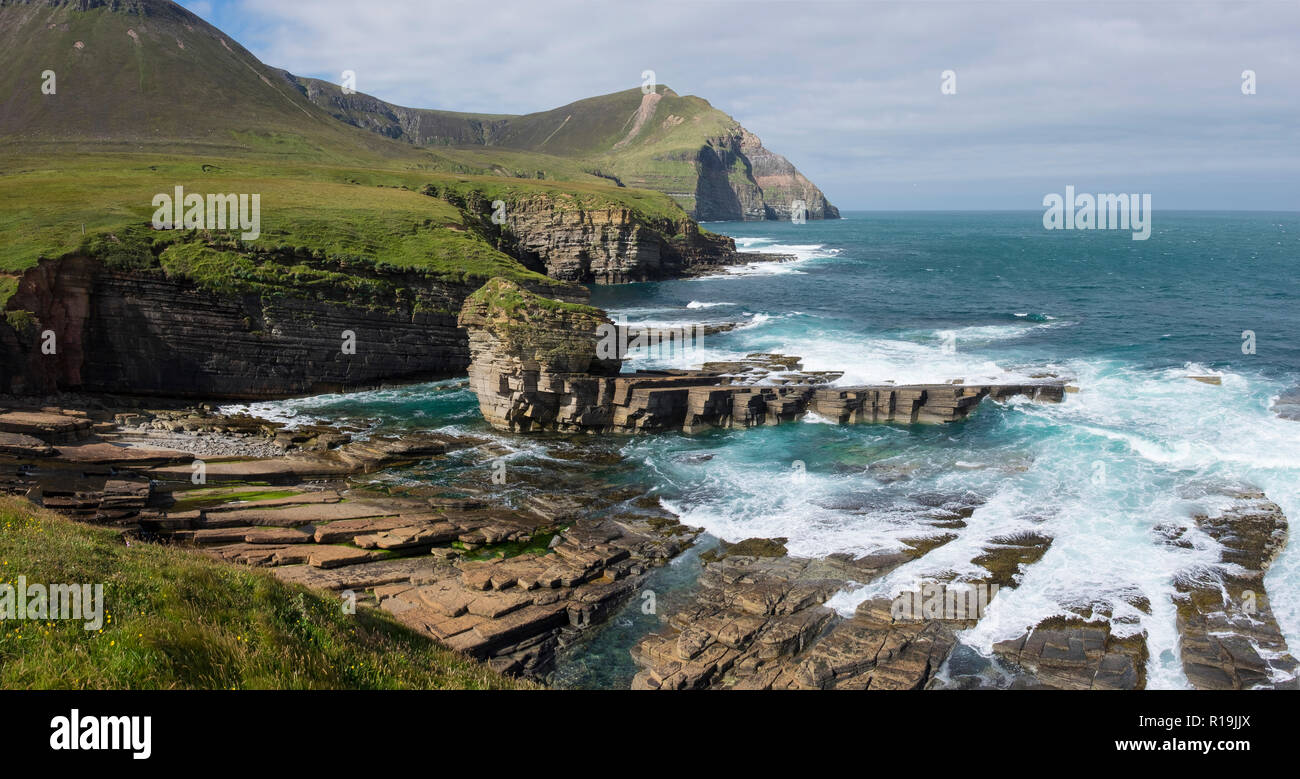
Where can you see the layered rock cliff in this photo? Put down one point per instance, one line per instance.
(118, 328)
(145, 332)
(739, 179)
(534, 363)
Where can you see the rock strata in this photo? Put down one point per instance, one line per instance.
(609, 245)
(145, 333)
(760, 621)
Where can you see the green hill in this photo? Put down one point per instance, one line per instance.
(148, 75)
(147, 96)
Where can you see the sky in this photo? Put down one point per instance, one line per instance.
(1135, 97)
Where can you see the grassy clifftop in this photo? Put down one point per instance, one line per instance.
(326, 218)
(175, 619)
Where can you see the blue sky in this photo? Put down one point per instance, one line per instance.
(1141, 97)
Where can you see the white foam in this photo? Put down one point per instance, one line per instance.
(1153, 432)
(800, 252)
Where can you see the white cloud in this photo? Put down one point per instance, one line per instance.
(1122, 93)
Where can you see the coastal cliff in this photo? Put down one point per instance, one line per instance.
(739, 179)
(206, 319)
(142, 332)
(533, 361)
(366, 231)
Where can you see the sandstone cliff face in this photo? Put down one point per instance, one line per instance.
(613, 246)
(141, 332)
(598, 245)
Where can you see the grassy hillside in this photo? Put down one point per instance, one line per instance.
(154, 98)
(175, 619)
(149, 97)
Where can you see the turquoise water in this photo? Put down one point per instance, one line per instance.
(884, 296)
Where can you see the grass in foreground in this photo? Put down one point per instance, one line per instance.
(175, 619)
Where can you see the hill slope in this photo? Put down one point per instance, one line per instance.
(139, 73)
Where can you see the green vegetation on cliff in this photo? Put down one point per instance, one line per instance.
(549, 329)
(175, 619)
(504, 300)
(315, 218)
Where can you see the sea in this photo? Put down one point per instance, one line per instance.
(983, 297)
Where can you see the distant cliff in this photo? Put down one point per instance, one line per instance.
(681, 146)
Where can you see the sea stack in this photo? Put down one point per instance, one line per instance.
(533, 362)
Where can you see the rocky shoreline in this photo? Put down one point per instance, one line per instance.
(507, 584)
(513, 578)
(760, 621)
(513, 581)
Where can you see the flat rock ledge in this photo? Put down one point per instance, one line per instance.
(542, 365)
(760, 620)
(1228, 636)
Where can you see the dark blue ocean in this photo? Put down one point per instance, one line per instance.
(979, 296)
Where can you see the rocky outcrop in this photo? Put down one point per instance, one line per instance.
(1287, 405)
(534, 360)
(541, 365)
(1075, 654)
(760, 622)
(1228, 636)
